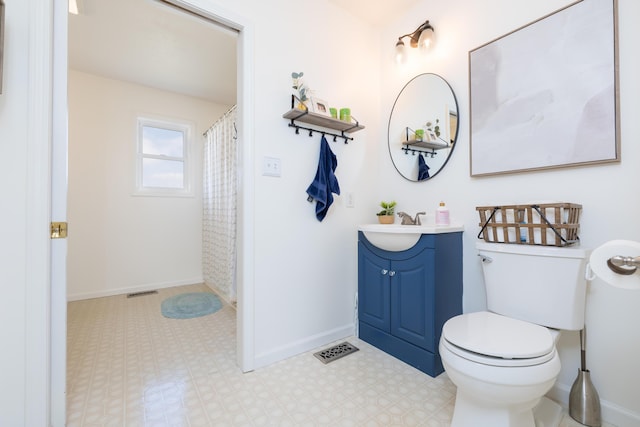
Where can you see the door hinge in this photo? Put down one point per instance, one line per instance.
(58, 230)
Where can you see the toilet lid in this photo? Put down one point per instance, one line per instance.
(494, 335)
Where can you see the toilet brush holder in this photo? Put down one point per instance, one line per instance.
(584, 403)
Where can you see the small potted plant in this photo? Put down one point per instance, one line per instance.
(386, 215)
(433, 128)
(302, 89)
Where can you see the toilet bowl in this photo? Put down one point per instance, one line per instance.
(504, 360)
(501, 366)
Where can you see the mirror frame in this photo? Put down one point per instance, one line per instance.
(457, 131)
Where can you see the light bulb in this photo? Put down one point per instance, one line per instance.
(401, 55)
(426, 39)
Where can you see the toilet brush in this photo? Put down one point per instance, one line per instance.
(584, 403)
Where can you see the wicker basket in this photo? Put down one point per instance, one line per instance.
(552, 224)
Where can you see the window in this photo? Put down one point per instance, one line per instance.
(163, 158)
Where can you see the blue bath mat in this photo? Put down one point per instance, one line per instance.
(188, 306)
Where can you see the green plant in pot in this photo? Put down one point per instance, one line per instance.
(302, 89)
(434, 127)
(386, 215)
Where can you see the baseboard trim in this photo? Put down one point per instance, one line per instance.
(132, 289)
(303, 346)
(221, 294)
(611, 413)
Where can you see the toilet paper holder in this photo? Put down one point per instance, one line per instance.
(625, 265)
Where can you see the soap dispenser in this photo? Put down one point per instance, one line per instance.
(442, 215)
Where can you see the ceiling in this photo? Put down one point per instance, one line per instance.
(377, 12)
(151, 43)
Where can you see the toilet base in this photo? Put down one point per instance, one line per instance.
(467, 413)
(547, 413)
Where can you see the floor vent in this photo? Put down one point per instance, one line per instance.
(141, 294)
(335, 352)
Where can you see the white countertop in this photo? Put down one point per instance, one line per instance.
(398, 237)
(410, 229)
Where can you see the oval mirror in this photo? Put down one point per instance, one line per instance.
(423, 127)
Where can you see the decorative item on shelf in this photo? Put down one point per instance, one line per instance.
(433, 127)
(419, 134)
(302, 89)
(345, 114)
(423, 38)
(386, 215)
(334, 112)
(320, 106)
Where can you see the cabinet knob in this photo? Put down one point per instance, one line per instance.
(392, 273)
(383, 271)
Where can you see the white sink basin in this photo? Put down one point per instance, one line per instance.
(397, 237)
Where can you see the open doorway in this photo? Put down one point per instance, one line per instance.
(59, 187)
(133, 62)
(174, 75)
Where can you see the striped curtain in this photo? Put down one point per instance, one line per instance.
(219, 206)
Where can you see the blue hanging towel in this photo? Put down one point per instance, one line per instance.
(423, 169)
(325, 181)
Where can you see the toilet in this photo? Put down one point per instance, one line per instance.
(504, 360)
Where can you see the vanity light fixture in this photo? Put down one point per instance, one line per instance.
(421, 38)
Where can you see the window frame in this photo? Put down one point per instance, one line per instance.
(187, 130)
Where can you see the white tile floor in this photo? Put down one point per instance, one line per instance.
(130, 366)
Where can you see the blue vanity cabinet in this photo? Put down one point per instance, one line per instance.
(405, 297)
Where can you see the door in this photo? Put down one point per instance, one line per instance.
(373, 289)
(57, 394)
(412, 300)
(59, 156)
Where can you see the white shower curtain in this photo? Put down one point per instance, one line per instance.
(219, 206)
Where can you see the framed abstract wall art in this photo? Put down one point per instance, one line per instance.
(546, 95)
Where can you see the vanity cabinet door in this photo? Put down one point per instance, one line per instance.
(412, 293)
(405, 297)
(373, 289)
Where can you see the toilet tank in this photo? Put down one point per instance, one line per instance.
(544, 285)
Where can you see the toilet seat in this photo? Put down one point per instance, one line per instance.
(492, 339)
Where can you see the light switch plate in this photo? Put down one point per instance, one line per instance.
(271, 166)
(351, 202)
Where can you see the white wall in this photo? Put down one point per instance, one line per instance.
(13, 211)
(611, 207)
(305, 271)
(118, 242)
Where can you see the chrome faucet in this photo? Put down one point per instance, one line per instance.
(407, 220)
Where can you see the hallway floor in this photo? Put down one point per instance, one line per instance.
(127, 365)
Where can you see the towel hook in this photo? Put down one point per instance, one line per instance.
(311, 131)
